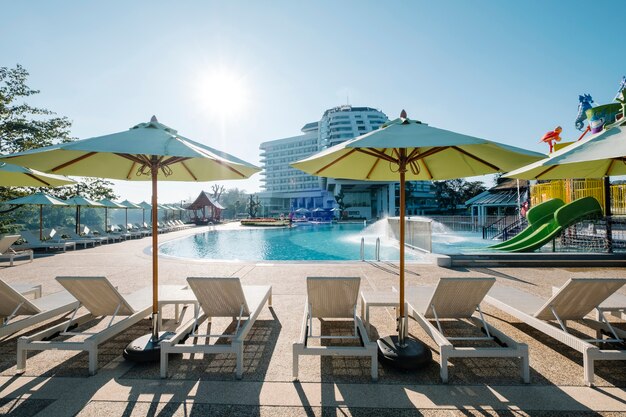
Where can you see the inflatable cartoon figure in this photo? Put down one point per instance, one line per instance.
(584, 104)
(552, 136)
(620, 93)
(621, 98)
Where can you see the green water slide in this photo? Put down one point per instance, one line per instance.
(564, 216)
(536, 216)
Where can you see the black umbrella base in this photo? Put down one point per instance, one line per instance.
(145, 348)
(413, 355)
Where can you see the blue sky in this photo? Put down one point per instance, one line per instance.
(502, 70)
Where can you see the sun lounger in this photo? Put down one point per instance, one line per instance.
(333, 298)
(6, 252)
(78, 239)
(33, 242)
(100, 232)
(127, 233)
(574, 300)
(87, 233)
(459, 299)
(219, 297)
(17, 312)
(101, 299)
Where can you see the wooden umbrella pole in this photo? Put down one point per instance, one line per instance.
(154, 169)
(41, 222)
(401, 321)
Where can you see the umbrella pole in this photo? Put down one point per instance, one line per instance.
(147, 348)
(106, 218)
(41, 222)
(155, 255)
(401, 351)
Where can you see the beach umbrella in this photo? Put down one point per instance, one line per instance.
(145, 206)
(600, 155)
(79, 202)
(128, 205)
(405, 149)
(148, 151)
(18, 176)
(107, 205)
(37, 199)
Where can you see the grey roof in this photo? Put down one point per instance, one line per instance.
(508, 198)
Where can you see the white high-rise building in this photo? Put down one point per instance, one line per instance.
(287, 189)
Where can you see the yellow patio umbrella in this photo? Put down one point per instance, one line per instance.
(146, 152)
(18, 176)
(405, 149)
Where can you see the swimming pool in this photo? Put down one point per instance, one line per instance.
(336, 242)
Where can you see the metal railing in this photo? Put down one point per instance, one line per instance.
(570, 190)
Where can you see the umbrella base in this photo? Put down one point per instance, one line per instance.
(413, 355)
(145, 348)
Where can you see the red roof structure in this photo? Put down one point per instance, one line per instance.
(206, 209)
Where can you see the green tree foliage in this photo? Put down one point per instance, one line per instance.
(24, 127)
(231, 200)
(452, 193)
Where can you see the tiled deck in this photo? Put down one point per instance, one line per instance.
(57, 383)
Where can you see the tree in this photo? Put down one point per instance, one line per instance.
(452, 193)
(342, 206)
(24, 127)
(253, 206)
(217, 191)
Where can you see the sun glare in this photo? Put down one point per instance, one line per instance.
(223, 93)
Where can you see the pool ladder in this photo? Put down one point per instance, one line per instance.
(377, 249)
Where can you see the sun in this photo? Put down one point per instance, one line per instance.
(223, 93)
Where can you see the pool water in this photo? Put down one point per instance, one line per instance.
(336, 242)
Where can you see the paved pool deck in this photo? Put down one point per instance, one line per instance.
(56, 383)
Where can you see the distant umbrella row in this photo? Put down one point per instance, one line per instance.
(42, 199)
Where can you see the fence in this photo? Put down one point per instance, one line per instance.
(570, 190)
(417, 232)
(462, 223)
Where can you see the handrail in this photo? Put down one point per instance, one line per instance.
(493, 229)
(512, 229)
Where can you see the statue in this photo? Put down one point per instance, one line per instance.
(552, 136)
(584, 104)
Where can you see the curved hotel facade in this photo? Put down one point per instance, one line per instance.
(286, 188)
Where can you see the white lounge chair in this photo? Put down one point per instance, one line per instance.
(219, 297)
(100, 232)
(100, 299)
(78, 239)
(574, 300)
(6, 252)
(33, 242)
(459, 299)
(333, 298)
(18, 312)
(88, 233)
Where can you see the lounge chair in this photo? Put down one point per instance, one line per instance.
(333, 298)
(6, 252)
(18, 312)
(573, 301)
(101, 299)
(100, 232)
(78, 239)
(33, 242)
(88, 233)
(459, 299)
(219, 297)
(126, 232)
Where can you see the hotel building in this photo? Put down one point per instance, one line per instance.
(286, 188)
